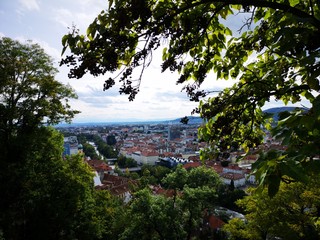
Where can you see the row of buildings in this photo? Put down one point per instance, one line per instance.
(153, 145)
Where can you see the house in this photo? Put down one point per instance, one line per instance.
(100, 167)
(190, 165)
(118, 186)
(144, 156)
(122, 191)
(239, 179)
(214, 222)
(149, 157)
(233, 168)
(250, 178)
(216, 166)
(158, 190)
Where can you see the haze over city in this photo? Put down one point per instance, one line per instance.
(45, 22)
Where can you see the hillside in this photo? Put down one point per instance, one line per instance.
(275, 111)
(192, 119)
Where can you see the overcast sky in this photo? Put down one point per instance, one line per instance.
(46, 21)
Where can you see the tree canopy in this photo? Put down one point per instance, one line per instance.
(29, 92)
(178, 212)
(42, 196)
(273, 56)
(293, 213)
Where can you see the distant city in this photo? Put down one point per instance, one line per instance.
(192, 120)
(159, 143)
(141, 150)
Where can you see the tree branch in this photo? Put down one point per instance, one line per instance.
(260, 3)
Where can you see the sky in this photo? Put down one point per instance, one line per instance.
(46, 21)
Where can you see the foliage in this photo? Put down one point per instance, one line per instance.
(299, 131)
(48, 197)
(293, 213)
(118, 171)
(198, 41)
(199, 192)
(177, 216)
(152, 217)
(42, 195)
(132, 175)
(157, 172)
(124, 162)
(111, 140)
(106, 150)
(29, 94)
(90, 151)
(227, 197)
(200, 176)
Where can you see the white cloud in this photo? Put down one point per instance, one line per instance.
(30, 5)
(50, 50)
(63, 17)
(80, 16)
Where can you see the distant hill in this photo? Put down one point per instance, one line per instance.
(275, 111)
(192, 120)
(279, 109)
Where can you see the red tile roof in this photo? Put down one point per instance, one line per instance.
(192, 165)
(149, 153)
(215, 222)
(99, 165)
(234, 167)
(230, 175)
(158, 190)
(115, 184)
(217, 168)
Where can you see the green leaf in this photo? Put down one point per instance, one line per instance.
(313, 83)
(273, 185)
(293, 170)
(294, 2)
(316, 106)
(65, 39)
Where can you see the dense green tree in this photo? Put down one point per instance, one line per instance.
(227, 197)
(132, 175)
(172, 216)
(124, 162)
(130, 162)
(293, 213)
(90, 151)
(29, 94)
(273, 56)
(157, 172)
(46, 197)
(105, 149)
(42, 196)
(121, 161)
(111, 140)
(152, 217)
(146, 179)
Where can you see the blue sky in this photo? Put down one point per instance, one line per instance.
(46, 21)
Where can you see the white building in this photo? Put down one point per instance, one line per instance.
(239, 180)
